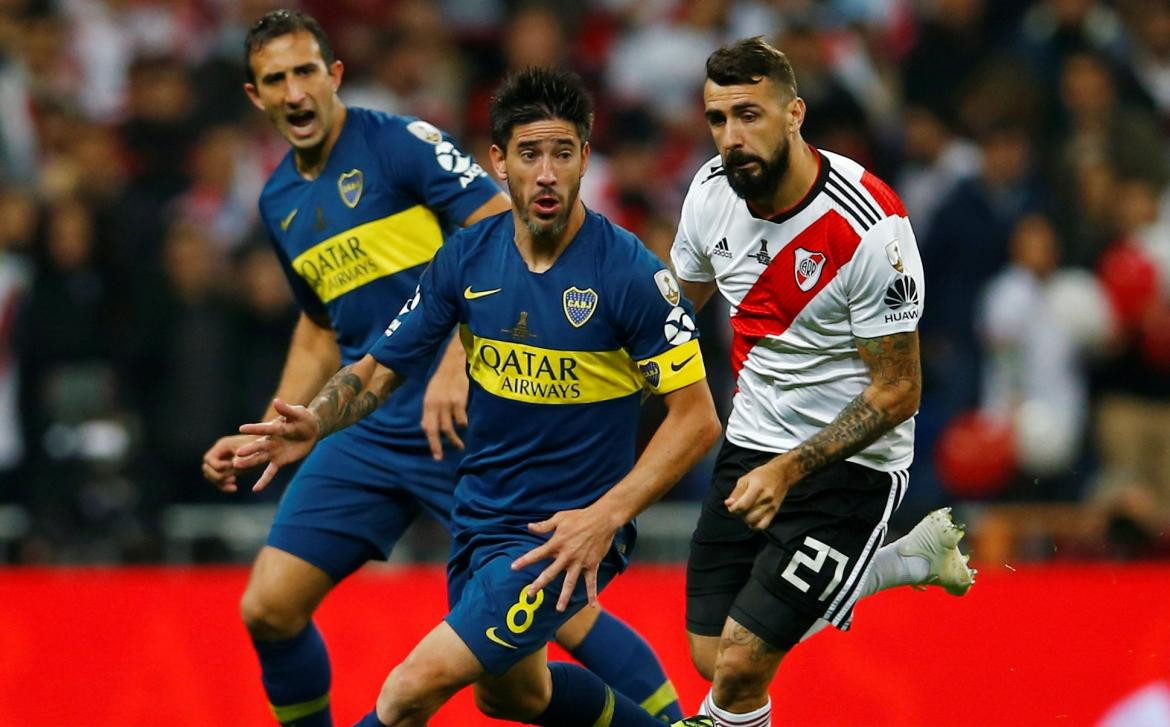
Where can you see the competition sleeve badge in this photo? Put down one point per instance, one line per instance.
(808, 268)
(579, 305)
(425, 131)
(894, 255)
(667, 286)
(350, 187)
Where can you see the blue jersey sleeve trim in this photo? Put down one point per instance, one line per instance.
(426, 320)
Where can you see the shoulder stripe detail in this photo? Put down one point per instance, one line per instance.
(862, 221)
(886, 198)
(856, 194)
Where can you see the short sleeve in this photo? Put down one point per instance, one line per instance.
(886, 289)
(424, 323)
(686, 254)
(306, 298)
(436, 171)
(657, 326)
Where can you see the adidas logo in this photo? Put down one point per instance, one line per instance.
(721, 249)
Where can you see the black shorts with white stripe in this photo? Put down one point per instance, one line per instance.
(811, 561)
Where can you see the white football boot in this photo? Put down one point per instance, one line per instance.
(936, 538)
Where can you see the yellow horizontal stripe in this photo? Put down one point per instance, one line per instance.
(689, 362)
(293, 712)
(607, 712)
(547, 376)
(362, 254)
(662, 698)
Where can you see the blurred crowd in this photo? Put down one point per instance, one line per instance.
(142, 313)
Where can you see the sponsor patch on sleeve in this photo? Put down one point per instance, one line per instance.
(679, 327)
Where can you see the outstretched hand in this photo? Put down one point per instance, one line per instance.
(282, 440)
(580, 539)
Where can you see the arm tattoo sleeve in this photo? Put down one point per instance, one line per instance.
(893, 367)
(344, 400)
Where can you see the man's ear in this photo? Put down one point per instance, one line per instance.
(253, 95)
(796, 112)
(497, 157)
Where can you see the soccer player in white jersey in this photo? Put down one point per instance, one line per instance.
(818, 262)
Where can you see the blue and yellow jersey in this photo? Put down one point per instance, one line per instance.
(558, 363)
(354, 241)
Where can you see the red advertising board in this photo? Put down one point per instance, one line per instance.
(1053, 645)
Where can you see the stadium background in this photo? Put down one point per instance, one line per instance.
(142, 316)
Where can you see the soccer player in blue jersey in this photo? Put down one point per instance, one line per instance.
(355, 211)
(566, 319)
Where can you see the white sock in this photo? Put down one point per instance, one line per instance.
(890, 569)
(761, 717)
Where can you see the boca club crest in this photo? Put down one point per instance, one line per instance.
(651, 373)
(808, 268)
(350, 187)
(579, 305)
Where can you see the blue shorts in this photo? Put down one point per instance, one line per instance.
(355, 495)
(490, 607)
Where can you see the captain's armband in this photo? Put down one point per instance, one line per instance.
(673, 369)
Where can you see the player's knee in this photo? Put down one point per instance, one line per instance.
(269, 618)
(573, 632)
(738, 678)
(703, 653)
(704, 662)
(404, 692)
(407, 691)
(518, 702)
(415, 687)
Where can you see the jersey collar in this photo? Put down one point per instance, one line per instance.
(817, 185)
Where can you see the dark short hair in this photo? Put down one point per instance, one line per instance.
(276, 23)
(749, 61)
(536, 94)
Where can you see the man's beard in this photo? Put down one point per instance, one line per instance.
(541, 230)
(761, 185)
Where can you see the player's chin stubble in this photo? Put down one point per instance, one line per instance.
(542, 231)
(761, 185)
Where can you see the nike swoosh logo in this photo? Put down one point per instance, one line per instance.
(288, 220)
(679, 366)
(472, 294)
(491, 634)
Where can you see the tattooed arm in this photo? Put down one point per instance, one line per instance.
(892, 397)
(352, 393)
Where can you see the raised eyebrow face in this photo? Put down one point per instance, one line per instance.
(302, 69)
(715, 115)
(557, 143)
